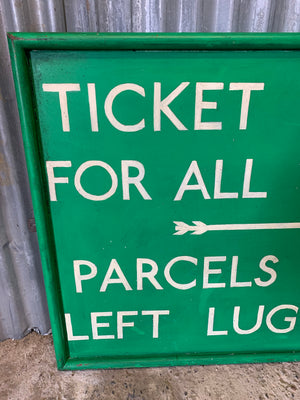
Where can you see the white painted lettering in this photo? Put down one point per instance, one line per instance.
(109, 103)
(210, 325)
(83, 277)
(114, 267)
(150, 275)
(236, 314)
(136, 180)
(69, 328)
(246, 87)
(207, 271)
(93, 107)
(96, 325)
(62, 89)
(233, 280)
(155, 315)
(192, 170)
(271, 271)
(160, 106)
(218, 180)
(52, 180)
(181, 286)
(96, 163)
(121, 324)
(200, 105)
(291, 320)
(246, 187)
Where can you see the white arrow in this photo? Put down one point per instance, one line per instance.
(200, 227)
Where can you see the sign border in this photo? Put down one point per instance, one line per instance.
(20, 45)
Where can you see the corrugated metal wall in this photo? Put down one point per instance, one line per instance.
(22, 299)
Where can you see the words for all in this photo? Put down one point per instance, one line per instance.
(193, 172)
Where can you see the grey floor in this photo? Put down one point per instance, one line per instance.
(28, 371)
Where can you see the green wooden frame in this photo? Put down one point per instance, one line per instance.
(20, 45)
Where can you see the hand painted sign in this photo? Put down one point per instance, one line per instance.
(165, 178)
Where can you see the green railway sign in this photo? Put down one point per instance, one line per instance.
(165, 173)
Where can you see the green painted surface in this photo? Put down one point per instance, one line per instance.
(227, 271)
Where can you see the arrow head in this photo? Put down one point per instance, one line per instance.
(197, 229)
